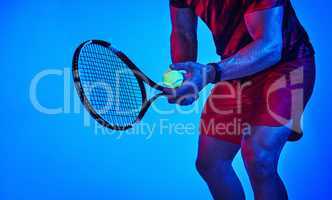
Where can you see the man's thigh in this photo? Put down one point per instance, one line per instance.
(264, 142)
(212, 149)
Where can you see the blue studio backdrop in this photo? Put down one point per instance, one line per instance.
(50, 148)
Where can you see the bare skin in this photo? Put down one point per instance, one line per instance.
(214, 164)
(260, 152)
(261, 149)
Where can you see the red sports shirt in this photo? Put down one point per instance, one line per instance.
(225, 18)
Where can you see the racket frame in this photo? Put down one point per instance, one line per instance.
(139, 75)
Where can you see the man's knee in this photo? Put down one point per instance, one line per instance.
(206, 167)
(203, 166)
(260, 164)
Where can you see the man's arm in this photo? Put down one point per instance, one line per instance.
(184, 35)
(265, 27)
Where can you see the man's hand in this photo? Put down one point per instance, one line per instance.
(196, 78)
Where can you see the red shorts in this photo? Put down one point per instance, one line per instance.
(270, 98)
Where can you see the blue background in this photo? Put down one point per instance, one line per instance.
(55, 157)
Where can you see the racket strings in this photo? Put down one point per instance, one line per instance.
(110, 86)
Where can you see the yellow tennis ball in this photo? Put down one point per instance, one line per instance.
(173, 79)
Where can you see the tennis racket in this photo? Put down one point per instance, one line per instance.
(110, 86)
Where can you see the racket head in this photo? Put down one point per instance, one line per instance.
(109, 85)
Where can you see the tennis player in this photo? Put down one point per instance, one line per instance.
(262, 83)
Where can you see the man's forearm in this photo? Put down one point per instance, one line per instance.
(183, 47)
(253, 58)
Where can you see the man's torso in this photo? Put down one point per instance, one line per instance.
(225, 18)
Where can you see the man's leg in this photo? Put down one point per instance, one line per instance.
(260, 152)
(214, 163)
